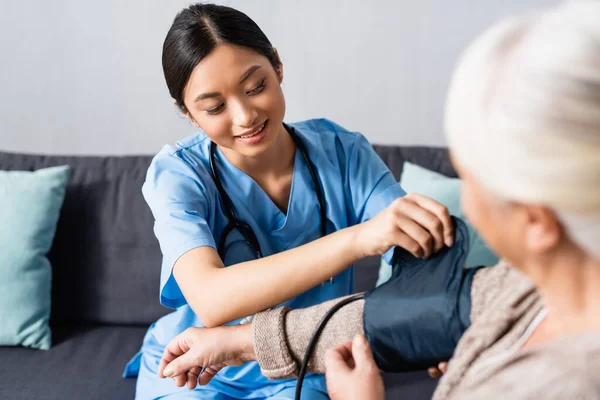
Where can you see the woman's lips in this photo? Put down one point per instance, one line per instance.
(255, 136)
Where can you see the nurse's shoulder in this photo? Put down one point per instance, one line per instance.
(331, 138)
(326, 129)
(179, 170)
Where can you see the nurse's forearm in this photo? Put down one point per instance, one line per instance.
(220, 295)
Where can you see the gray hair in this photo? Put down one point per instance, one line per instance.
(523, 114)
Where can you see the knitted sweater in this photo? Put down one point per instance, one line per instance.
(485, 362)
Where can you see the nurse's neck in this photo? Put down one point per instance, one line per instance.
(274, 163)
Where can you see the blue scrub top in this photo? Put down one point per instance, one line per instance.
(185, 203)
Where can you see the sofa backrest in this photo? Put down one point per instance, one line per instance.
(105, 257)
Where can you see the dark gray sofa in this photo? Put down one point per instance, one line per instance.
(106, 265)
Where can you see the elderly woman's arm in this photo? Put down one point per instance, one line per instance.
(278, 338)
(281, 335)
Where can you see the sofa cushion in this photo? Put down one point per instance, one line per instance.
(410, 385)
(84, 363)
(29, 208)
(87, 362)
(105, 258)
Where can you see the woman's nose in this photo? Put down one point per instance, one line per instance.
(244, 115)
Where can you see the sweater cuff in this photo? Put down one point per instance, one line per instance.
(270, 344)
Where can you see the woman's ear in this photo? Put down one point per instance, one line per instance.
(279, 69)
(544, 231)
(186, 114)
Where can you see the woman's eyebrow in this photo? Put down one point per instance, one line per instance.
(203, 96)
(249, 72)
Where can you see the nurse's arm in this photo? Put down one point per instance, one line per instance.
(219, 295)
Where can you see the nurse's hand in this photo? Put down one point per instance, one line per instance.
(414, 222)
(351, 372)
(211, 348)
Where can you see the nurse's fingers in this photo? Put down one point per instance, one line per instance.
(440, 211)
(426, 219)
(417, 233)
(401, 239)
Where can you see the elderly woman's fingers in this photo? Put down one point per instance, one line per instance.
(180, 380)
(210, 373)
(192, 378)
(434, 372)
(443, 366)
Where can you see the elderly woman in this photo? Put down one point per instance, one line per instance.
(523, 125)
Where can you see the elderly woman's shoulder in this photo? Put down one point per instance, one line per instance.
(497, 287)
(565, 368)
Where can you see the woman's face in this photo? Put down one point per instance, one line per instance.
(502, 224)
(234, 96)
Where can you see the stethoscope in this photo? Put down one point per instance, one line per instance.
(244, 228)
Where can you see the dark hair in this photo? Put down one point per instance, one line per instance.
(196, 31)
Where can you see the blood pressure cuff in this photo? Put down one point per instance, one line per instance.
(416, 319)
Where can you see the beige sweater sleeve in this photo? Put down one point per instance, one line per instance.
(281, 336)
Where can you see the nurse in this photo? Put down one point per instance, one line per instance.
(287, 208)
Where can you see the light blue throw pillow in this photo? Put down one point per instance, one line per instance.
(30, 204)
(416, 179)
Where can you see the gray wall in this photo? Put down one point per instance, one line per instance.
(85, 77)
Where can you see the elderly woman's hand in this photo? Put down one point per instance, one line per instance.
(437, 372)
(351, 372)
(198, 354)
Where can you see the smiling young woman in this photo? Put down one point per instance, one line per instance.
(523, 127)
(284, 207)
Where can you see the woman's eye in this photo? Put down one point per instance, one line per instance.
(216, 110)
(257, 89)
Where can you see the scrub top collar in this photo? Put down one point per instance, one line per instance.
(246, 193)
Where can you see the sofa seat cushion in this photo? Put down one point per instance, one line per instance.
(410, 385)
(87, 363)
(84, 363)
